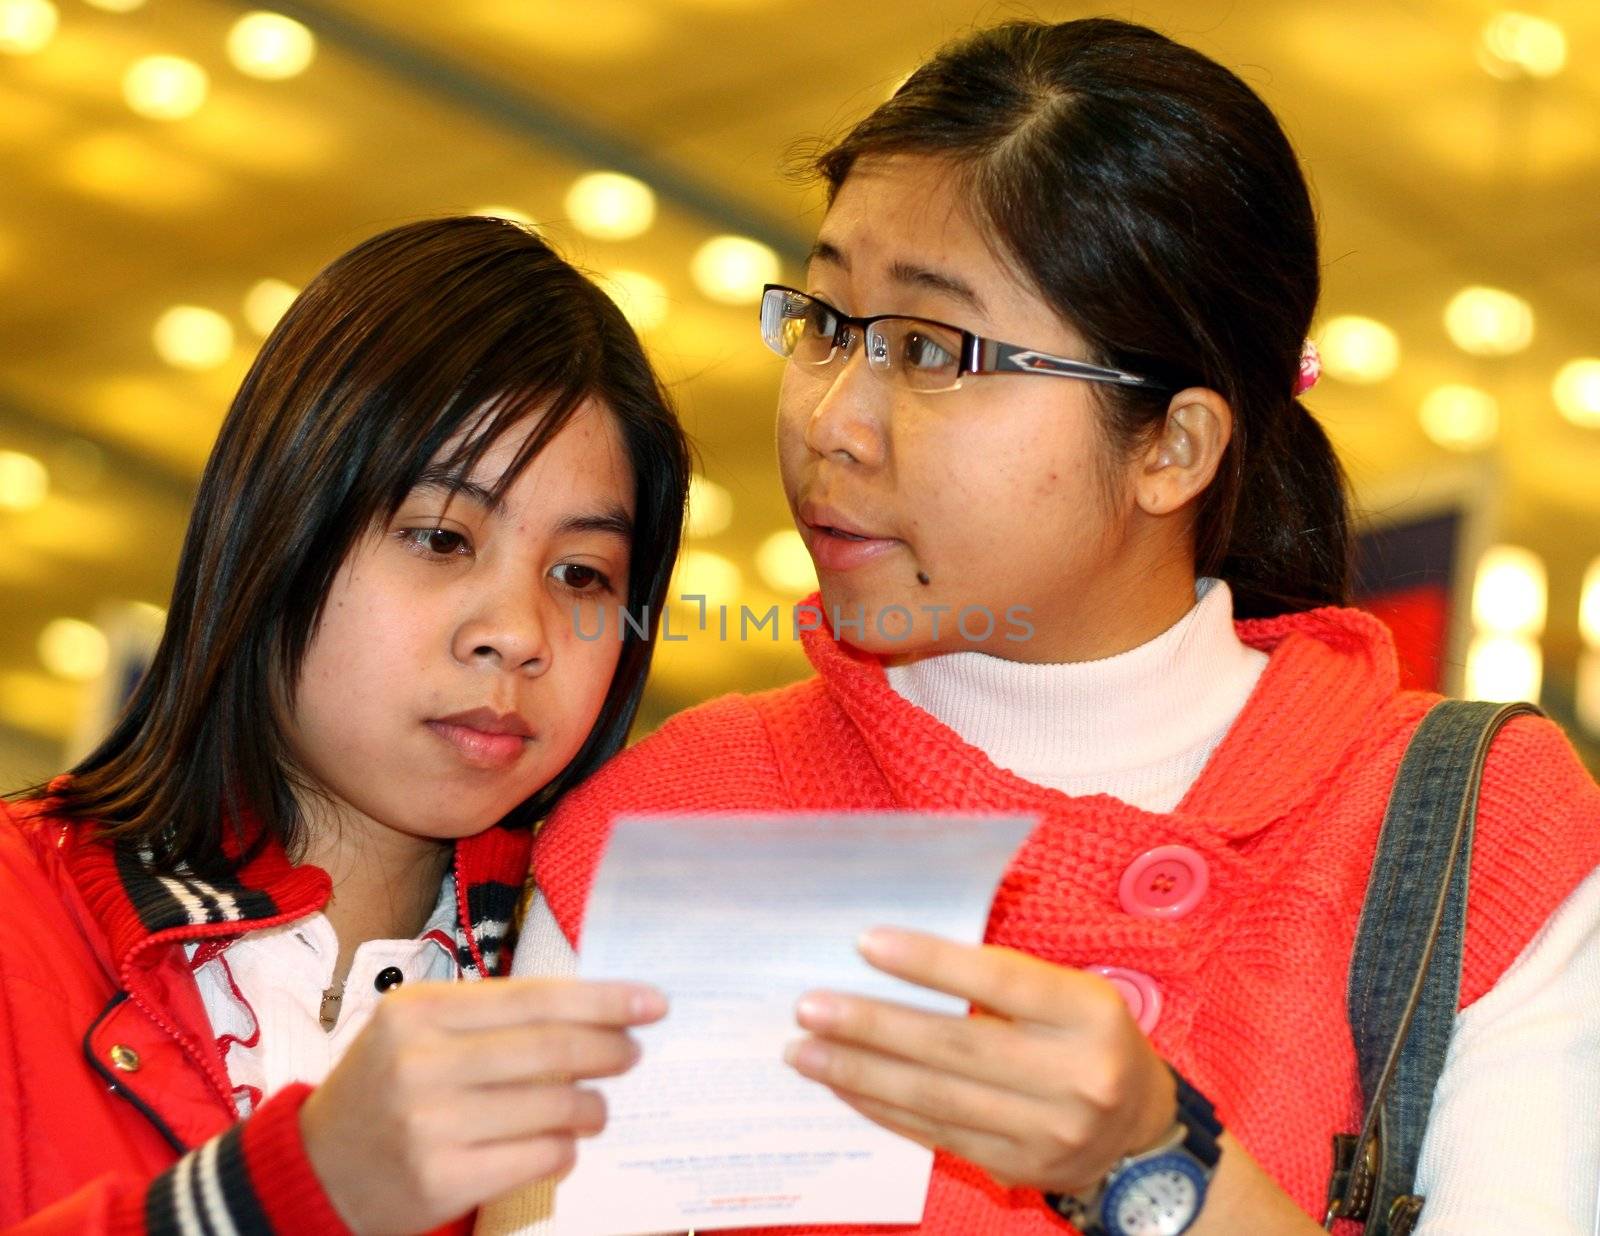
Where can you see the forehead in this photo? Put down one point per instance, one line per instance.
(904, 221)
(585, 462)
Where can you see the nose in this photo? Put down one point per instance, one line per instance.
(505, 632)
(847, 423)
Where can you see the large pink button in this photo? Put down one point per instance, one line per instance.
(1166, 882)
(1139, 990)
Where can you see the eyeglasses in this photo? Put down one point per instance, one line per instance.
(913, 353)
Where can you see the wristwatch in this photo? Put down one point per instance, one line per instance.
(1157, 1192)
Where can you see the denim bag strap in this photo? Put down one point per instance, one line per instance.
(1405, 971)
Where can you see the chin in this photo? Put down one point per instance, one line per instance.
(897, 622)
(885, 623)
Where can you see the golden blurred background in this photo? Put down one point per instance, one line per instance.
(172, 170)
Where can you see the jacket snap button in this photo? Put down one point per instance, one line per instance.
(389, 976)
(125, 1058)
(1141, 993)
(1166, 882)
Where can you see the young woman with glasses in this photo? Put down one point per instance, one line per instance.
(1046, 356)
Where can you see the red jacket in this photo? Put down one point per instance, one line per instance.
(1285, 816)
(116, 1112)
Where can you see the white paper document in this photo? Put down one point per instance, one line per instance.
(734, 917)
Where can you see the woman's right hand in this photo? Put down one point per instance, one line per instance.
(456, 1093)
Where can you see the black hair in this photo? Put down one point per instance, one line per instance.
(1153, 200)
(434, 334)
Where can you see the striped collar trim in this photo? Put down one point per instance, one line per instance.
(137, 907)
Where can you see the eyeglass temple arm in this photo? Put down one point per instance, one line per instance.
(990, 356)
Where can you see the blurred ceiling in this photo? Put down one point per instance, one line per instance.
(1432, 173)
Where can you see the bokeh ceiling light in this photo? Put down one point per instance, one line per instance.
(1520, 44)
(1511, 593)
(1460, 418)
(1489, 321)
(271, 46)
(1358, 349)
(1589, 607)
(702, 573)
(785, 563)
(732, 269)
(116, 6)
(1503, 668)
(165, 87)
(24, 481)
(72, 649)
(1586, 702)
(190, 337)
(611, 206)
(266, 302)
(27, 26)
(710, 507)
(643, 300)
(1577, 392)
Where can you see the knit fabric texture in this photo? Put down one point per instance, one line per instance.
(1286, 815)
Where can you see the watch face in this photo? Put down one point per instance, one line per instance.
(1159, 1197)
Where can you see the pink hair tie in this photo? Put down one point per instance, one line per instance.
(1310, 368)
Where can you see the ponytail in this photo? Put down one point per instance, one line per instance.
(1288, 543)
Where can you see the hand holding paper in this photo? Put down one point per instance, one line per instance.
(734, 918)
(1048, 1087)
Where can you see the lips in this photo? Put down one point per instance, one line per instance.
(484, 738)
(839, 542)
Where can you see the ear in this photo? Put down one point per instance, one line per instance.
(1184, 457)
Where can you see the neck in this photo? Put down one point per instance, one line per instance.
(1138, 725)
(385, 883)
(1145, 591)
(1123, 607)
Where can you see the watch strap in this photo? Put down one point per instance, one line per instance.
(1196, 1131)
(1199, 1119)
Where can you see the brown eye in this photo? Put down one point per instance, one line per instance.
(582, 578)
(922, 351)
(439, 542)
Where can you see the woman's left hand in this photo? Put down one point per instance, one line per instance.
(1046, 1085)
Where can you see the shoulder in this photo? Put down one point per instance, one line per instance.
(1533, 768)
(34, 883)
(717, 756)
(1537, 838)
(714, 753)
(24, 852)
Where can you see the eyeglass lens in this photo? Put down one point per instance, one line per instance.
(913, 353)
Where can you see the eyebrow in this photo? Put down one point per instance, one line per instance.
(611, 520)
(822, 251)
(440, 479)
(908, 274)
(937, 281)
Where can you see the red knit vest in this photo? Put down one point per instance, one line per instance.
(1286, 815)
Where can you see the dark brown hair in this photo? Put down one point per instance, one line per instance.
(448, 329)
(1153, 200)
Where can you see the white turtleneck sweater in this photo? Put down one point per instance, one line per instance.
(1524, 1059)
(1138, 726)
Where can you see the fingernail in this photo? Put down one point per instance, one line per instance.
(816, 1011)
(647, 1004)
(878, 944)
